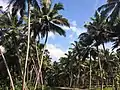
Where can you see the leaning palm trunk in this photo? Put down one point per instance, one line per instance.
(39, 63)
(28, 45)
(90, 75)
(13, 88)
(40, 67)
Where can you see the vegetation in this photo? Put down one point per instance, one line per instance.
(26, 64)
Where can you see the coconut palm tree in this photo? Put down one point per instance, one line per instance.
(78, 52)
(45, 7)
(21, 5)
(110, 10)
(8, 24)
(89, 51)
(49, 21)
(99, 29)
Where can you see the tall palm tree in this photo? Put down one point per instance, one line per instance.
(8, 23)
(68, 62)
(100, 31)
(77, 57)
(110, 10)
(89, 51)
(49, 21)
(21, 5)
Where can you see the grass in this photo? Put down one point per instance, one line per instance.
(107, 88)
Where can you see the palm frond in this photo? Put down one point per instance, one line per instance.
(61, 21)
(56, 29)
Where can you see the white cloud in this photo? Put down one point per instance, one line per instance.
(51, 35)
(74, 23)
(65, 28)
(55, 52)
(71, 36)
(74, 28)
(3, 3)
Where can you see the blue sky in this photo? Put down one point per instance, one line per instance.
(77, 12)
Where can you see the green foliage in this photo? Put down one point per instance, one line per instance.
(84, 64)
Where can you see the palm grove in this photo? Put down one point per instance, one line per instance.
(26, 63)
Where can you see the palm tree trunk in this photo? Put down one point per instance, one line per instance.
(71, 79)
(27, 74)
(11, 80)
(104, 47)
(101, 75)
(101, 70)
(78, 78)
(113, 84)
(98, 83)
(31, 73)
(28, 46)
(41, 64)
(35, 68)
(37, 53)
(90, 75)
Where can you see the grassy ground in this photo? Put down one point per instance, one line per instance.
(66, 88)
(107, 88)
